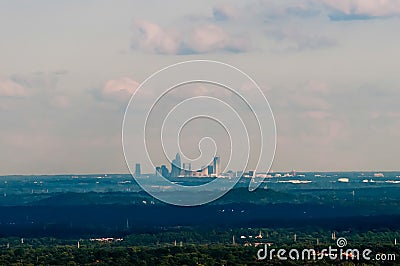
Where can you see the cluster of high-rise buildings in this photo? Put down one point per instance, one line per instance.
(179, 169)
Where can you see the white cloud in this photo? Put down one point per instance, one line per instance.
(119, 89)
(9, 88)
(205, 38)
(153, 38)
(210, 38)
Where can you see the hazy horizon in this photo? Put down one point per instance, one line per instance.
(326, 67)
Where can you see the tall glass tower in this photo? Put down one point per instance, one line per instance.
(216, 166)
(137, 170)
(176, 166)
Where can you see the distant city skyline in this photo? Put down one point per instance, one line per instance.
(185, 170)
(328, 69)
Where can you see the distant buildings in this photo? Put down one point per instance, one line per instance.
(251, 173)
(164, 170)
(210, 169)
(137, 170)
(176, 166)
(182, 169)
(185, 170)
(216, 165)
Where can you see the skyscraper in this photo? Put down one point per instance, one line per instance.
(176, 166)
(137, 170)
(216, 166)
(178, 160)
(164, 171)
(210, 169)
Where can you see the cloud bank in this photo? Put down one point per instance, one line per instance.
(362, 9)
(119, 89)
(199, 39)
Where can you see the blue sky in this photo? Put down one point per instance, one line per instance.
(328, 68)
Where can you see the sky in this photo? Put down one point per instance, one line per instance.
(329, 69)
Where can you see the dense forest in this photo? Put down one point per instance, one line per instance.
(193, 246)
(132, 228)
